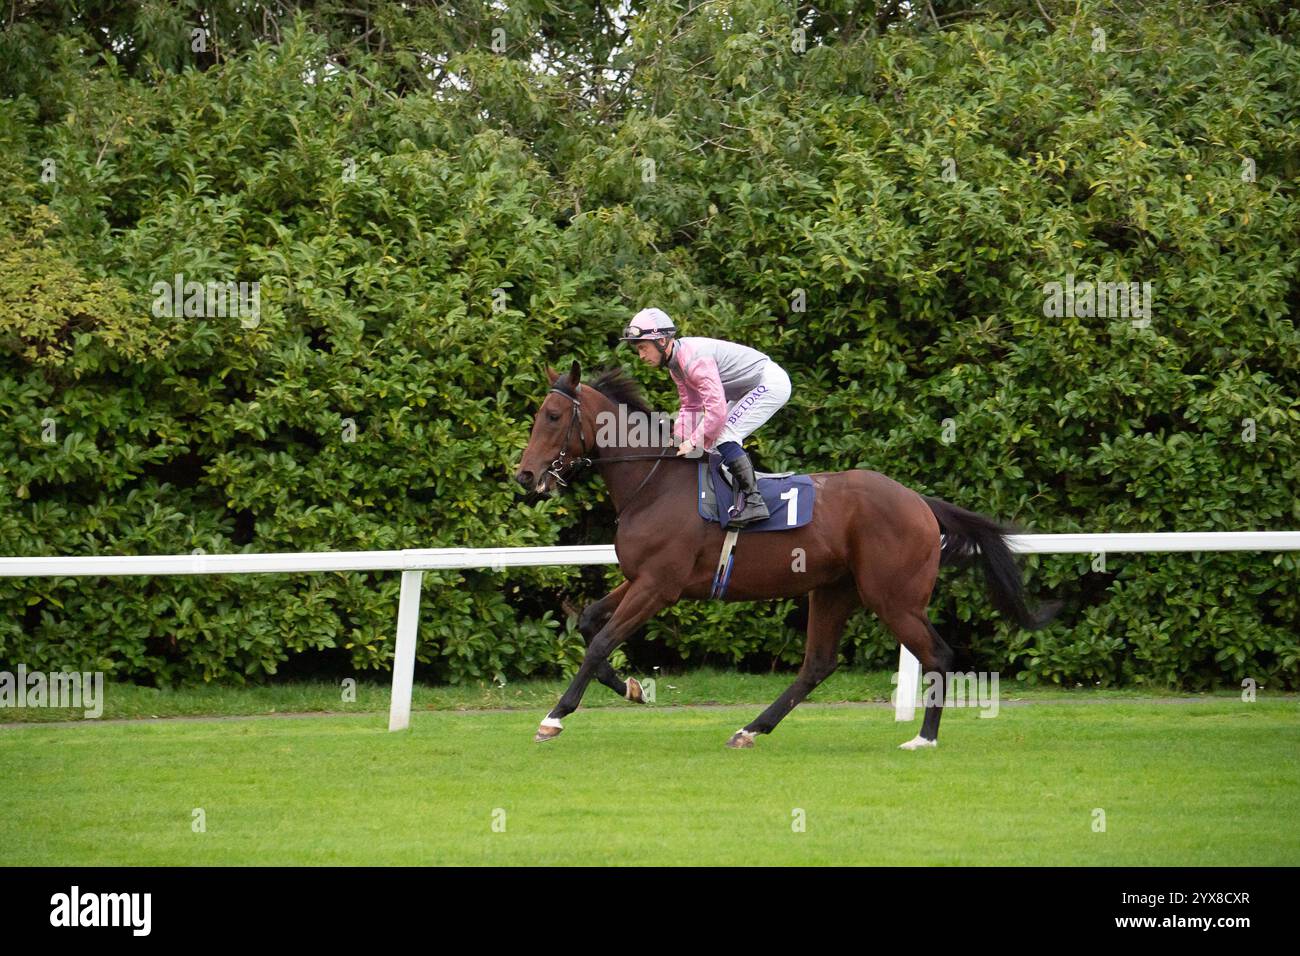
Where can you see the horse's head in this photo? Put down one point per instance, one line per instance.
(556, 449)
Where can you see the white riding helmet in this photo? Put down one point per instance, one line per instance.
(649, 324)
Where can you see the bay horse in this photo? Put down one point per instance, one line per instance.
(871, 541)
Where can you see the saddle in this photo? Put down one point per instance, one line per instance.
(789, 496)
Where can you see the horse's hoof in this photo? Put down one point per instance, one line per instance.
(741, 740)
(917, 742)
(635, 693)
(549, 729)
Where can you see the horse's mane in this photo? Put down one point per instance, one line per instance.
(616, 385)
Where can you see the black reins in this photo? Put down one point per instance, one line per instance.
(581, 461)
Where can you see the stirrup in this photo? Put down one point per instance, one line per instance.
(746, 501)
(754, 510)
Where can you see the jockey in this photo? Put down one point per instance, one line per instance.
(727, 391)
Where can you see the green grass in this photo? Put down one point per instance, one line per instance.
(1206, 783)
(699, 686)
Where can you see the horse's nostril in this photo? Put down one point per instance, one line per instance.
(525, 478)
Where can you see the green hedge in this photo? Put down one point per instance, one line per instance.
(424, 249)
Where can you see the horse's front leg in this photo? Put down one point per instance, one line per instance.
(593, 617)
(640, 602)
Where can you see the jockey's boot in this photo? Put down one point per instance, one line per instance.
(749, 506)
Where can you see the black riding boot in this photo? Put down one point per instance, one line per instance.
(749, 506)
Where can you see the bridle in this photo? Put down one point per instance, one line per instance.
(581, 461)
(558, 464)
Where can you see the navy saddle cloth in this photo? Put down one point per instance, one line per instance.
(789, 497)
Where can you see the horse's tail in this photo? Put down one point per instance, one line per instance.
(967, 535)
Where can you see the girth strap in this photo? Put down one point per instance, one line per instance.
(723, 574)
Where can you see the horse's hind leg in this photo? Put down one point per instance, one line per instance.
(898, 591)
(828, 609)
(914, 631)
(593, 617)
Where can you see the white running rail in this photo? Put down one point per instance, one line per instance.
(414, 562)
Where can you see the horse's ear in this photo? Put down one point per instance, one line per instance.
(575, 372)
(552, 374)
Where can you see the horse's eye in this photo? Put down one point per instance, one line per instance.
(552, 416)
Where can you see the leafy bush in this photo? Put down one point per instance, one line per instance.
(880, 212)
